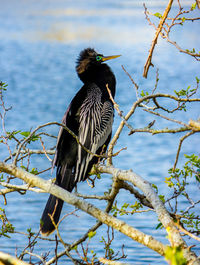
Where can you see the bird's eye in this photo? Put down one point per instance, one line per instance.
(98, 58)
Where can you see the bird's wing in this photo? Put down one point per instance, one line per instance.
(60, 136)
(65, 141)
(96, 118)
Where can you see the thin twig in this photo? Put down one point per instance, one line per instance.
(187, 232)
(116, 106)
(133, 108)
(179, 147)
(156, 131)
(167, 118)
(42, 143)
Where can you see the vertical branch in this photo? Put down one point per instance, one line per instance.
(198, 3)
(3, 116)
(154, 42)
(116, 106)
(179, 147)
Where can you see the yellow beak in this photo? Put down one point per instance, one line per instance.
(106, 58)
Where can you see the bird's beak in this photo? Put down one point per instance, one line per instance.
(106, 58)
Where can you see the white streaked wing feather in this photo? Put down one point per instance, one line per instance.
(96, 120)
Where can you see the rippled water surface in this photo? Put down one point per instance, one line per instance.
(40, 41)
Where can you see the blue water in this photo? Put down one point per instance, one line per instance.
(40, 42)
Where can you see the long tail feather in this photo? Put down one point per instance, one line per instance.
(54, 205)
(53, 208)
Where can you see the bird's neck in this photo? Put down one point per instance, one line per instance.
(101, 75)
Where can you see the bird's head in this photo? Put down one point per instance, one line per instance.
(88, 58)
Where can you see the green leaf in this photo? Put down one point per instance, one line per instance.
(143, 94)
(162, 198)
(26, 134)
(157, 15)
(3, 86)
(155, 187)
(183, 19)
(159, 226)
(6, 226)
(193, 6)
(75, 247)
(34, 171)
(30, 232)
(11, 134)
(125, 205)
(91, 234)
(98, 175)
(175, 256)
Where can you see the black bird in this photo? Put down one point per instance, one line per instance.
(90, 117)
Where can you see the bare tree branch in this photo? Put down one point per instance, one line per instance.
(154, 42)
(103, 217)
(174, 235)
(166, 220)
(6, 259)
(179, 19)
(111, 262)
(133, 108)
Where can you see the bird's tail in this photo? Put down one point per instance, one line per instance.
(53, 208)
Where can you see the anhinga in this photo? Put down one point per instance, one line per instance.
(90, 117)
